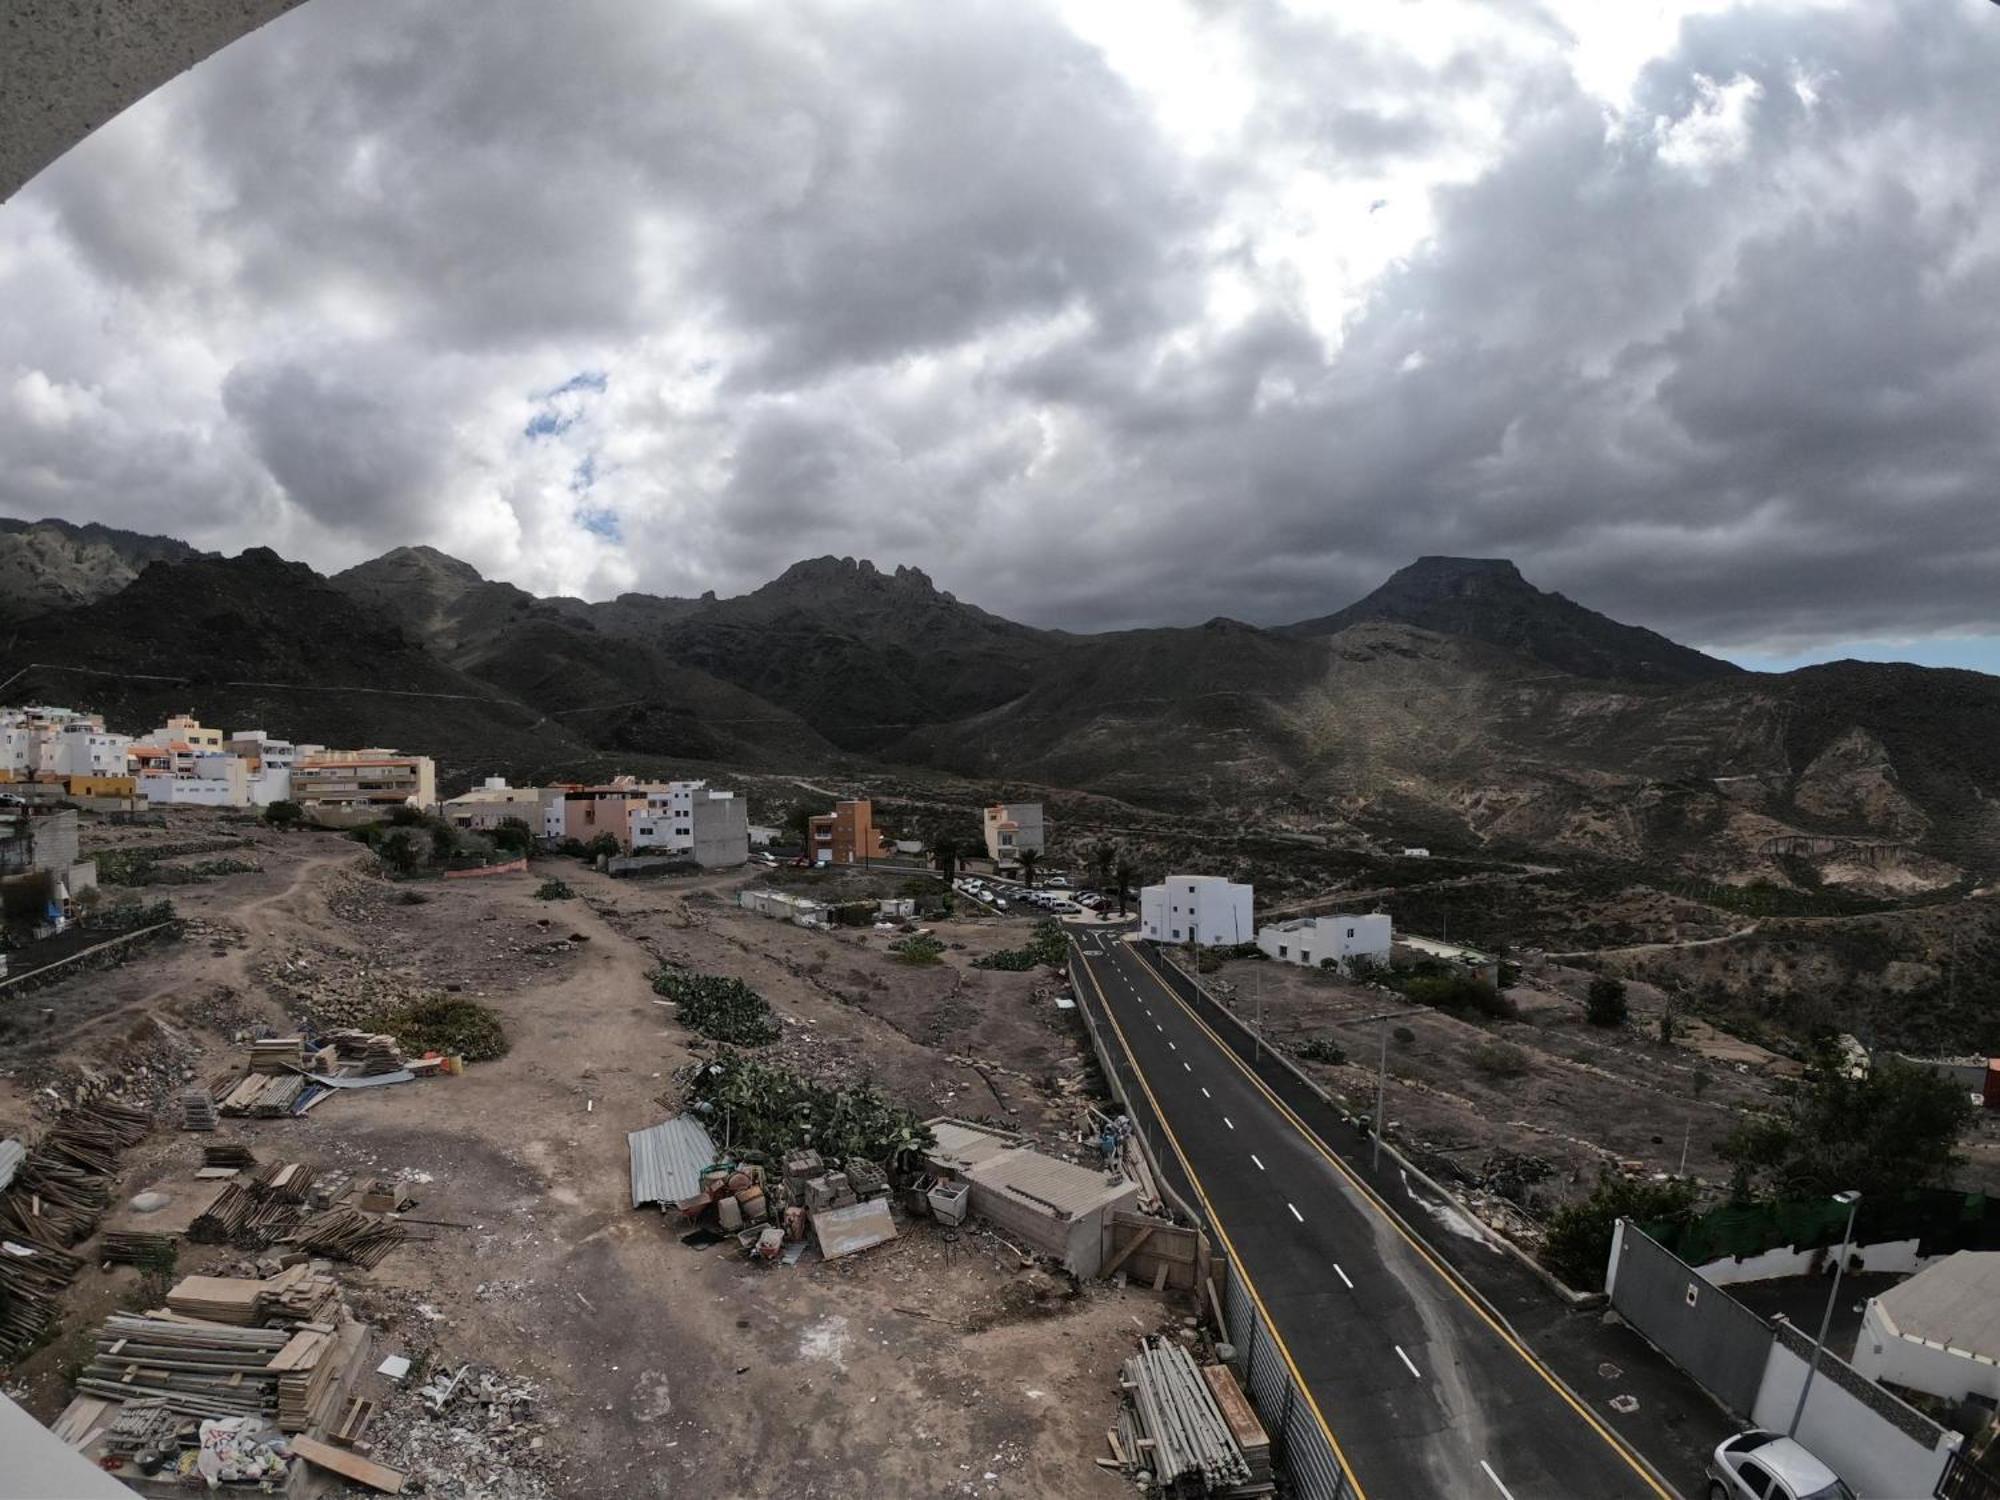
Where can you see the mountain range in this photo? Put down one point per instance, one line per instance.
(1456, 702)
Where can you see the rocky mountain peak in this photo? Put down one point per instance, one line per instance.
(1487, 599)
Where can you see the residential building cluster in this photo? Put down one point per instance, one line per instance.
(687, 820)
(1210, 911)
(185, 763)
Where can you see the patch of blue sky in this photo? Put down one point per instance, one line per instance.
(600, 522)
(1974, 653)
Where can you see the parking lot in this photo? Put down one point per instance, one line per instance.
(1052, 895)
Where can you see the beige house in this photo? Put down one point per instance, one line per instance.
(365, 779)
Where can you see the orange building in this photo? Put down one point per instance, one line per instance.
(846, 836)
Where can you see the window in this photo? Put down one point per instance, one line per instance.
(1281, 950)
(1757, 1480)
(1177, 934)
(1350, 932)
(1305, 957)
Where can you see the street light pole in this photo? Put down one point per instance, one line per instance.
(1853, 1201)
(1381, 1096)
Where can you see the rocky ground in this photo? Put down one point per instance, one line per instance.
(937, 1365)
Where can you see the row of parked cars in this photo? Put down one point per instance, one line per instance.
(1054, 896)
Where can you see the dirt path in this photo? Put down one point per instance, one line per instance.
(1633, 950)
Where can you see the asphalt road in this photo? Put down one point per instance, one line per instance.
(1422, 1393)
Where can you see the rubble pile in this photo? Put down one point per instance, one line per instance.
(474, 1433)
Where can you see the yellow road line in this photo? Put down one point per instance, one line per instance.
(1271, 1323)
(1395, 1221)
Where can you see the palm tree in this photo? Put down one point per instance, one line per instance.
(1102, 860)
(1029, 859)
(1127, 871)
(945, 854)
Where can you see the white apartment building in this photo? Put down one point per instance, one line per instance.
(711, 828)
(1312, 940)
(269, 752)
(86, 748)
(214, 778)
(42, 741)
(1207, 910)
(1012, 829)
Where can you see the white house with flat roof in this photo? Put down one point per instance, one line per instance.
(1939, 1331)
(1312, 940)
(1207, 910)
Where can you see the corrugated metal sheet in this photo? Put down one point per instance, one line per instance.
(11, 1154)
(667, 1160)
(1061, 1186)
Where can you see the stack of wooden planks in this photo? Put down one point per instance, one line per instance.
(197, 1109)
(307, 1368)
(228, 1154)
(223, 1219)
(288, 1181)
(344, 1234)
(137, 1248)
(236, 1300)
(277, 1054)
(265, 1095)
(371, 1052)
(196, 1368)
(57, 1193)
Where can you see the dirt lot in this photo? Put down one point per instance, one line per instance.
(932, 1366)
(1567, 1095)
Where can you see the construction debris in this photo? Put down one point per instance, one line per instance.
(1172, 1436)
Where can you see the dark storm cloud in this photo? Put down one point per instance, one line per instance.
(935, 284)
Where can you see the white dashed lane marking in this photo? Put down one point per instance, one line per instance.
(1260, 1165)
(1295, 1212)
(1406, 1362)
(1342, 1275)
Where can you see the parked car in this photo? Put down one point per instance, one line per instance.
(1759, 1465)
(1057, 883)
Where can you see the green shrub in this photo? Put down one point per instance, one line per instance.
(1322, 1049)
(1579, 1239)
(553, 890)
(1458, 991)
(283, 814)
(768, 1109)
(1500, 1060)
(727, 1010)
(448, 1024)
(1046, 945)
(918, 948)
(1606, 1004)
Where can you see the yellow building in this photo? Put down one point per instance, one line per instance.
(186, 729)
(101, 786)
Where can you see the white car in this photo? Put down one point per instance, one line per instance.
(1759, 1465)
(1056, 883)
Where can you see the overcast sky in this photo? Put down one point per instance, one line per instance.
(1102, 314)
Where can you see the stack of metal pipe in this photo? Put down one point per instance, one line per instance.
(1177, 1433)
